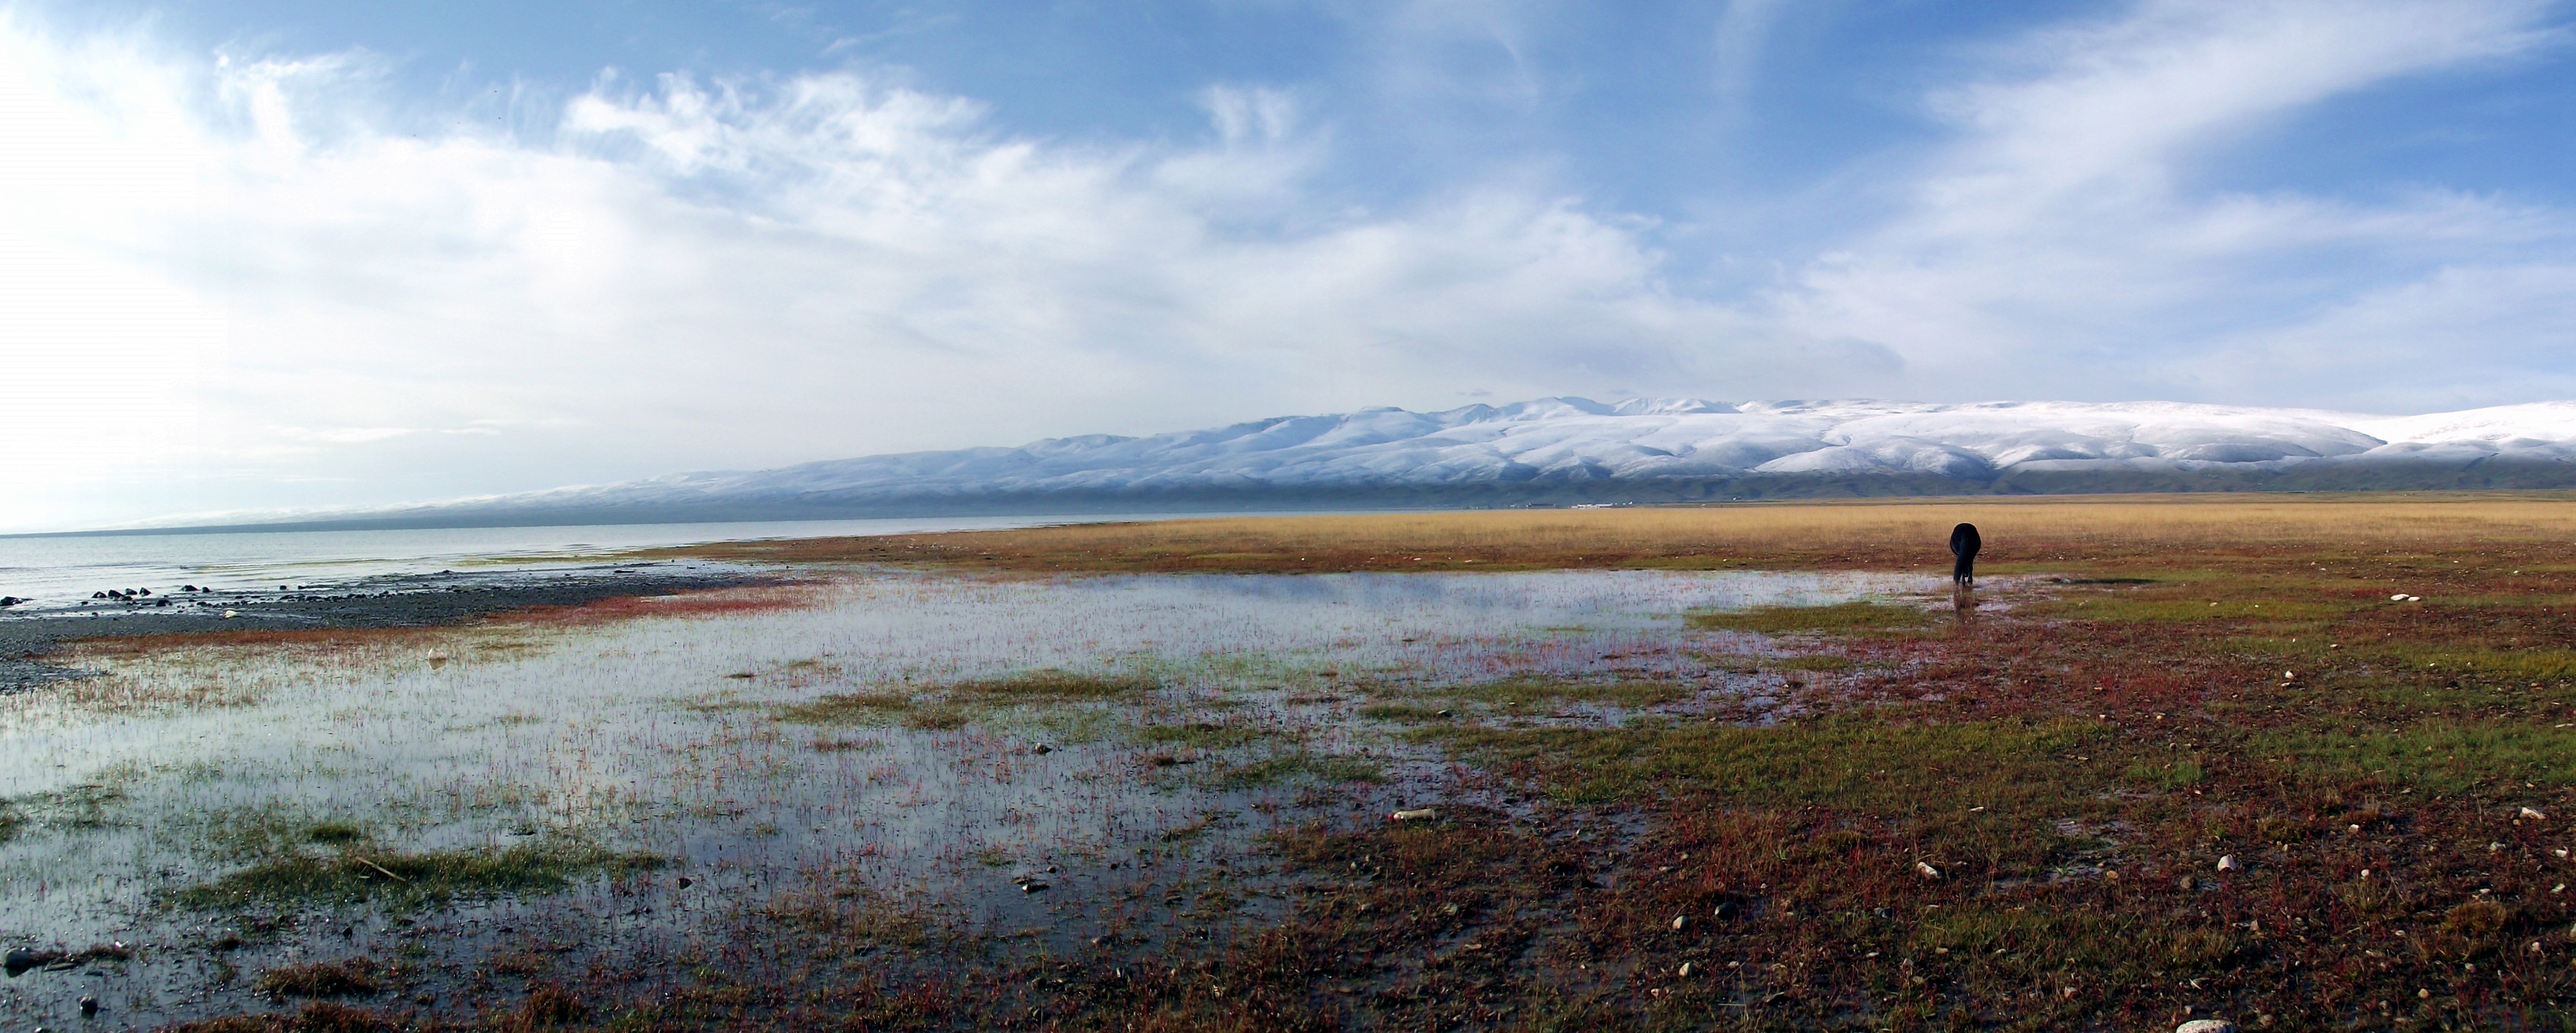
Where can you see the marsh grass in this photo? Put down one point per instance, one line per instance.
(1320, 768)
(2438, 756)
(881, 707)
(2116, 610)
(1046, 698)
(1627, 694)
(1845, 618)
(1053, 686)
(357, 977)
(414, 879)
(1209, 735)
(1404, 713)
(1879, 533)
(1849, 763)
(71, 809)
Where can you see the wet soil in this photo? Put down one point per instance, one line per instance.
(446, 598)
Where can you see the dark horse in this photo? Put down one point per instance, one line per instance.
(1964, 544)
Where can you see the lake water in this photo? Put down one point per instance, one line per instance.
(57, 571)
(680, 736)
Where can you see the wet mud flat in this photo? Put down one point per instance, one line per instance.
(29, 633)
(924, 801)
(2290, 788)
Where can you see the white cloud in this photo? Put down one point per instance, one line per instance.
(300, 286)
(260, 281)
(2060, 241)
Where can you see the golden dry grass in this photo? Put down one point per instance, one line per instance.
(1871, 533)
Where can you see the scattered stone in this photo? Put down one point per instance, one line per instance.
(686, 882)
(20, 959)
(1415, 814)
(1926, 870)
(1044, 749)
(1686, 966)
(2206, 1026)
(1032, 886)
(2227, 863)
(2534, 814)
(1680, 922)
(89, 1005)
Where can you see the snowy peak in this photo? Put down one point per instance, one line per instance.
(1654, 450)
(1646, 439)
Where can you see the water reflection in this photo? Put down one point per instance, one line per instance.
(661, 735)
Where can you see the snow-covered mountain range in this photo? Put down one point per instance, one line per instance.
(1572, 450)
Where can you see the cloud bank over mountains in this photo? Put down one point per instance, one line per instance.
(248, 279)
(1573, 451)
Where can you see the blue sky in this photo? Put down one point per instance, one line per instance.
(352, 253)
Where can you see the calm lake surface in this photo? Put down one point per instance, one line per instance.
(56, 571)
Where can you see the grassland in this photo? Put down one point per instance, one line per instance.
(2186, 757)
(2012, 817)
(2115, 532)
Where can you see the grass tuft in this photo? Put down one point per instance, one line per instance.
(358, 977)
(1054, 686)
(411, 879)
(1327, 769)
(857, 708)
(1844, 618)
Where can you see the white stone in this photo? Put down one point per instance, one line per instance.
(2206, 1026)
(2227, 863)
(1416, 814)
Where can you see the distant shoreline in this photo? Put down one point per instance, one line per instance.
(401, 601)
(2379, 477)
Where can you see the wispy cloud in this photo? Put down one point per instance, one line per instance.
(224, 276)
(2064, 237)
(690, 274)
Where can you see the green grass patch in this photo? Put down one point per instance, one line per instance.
(1536, 692)
(354, 877)
(2525, 664)
(2119, 610)
(2438, 756)
(333, 833)
(358, 977)
(2168, 776)
(1845, 763)
(857, 708)
(1401, 713)
(942, 717)
(1859, 618)
(1329, 769)
(1206, 735)
(1052, 686)
(2036, 944)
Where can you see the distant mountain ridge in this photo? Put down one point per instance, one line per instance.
(1561, 451)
